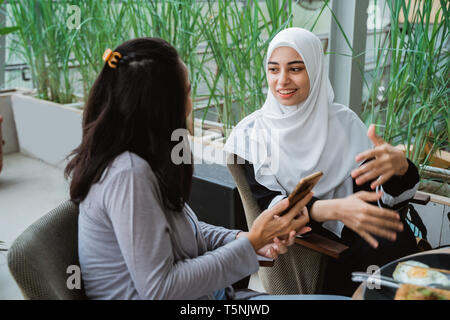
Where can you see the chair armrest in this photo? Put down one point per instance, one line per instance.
(420, 198)
(265, 262)
(323, 245)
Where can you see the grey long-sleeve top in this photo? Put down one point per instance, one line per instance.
(131, 247)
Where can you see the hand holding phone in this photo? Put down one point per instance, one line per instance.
(304, 186)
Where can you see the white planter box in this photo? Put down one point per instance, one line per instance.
(46, 130)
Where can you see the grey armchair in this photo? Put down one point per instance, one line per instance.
(39, 258)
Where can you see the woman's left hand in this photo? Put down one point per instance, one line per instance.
(277, 247)
(387, 161)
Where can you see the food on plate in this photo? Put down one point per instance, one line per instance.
(413, 292)
(418, 273)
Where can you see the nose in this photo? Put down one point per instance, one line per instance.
(284, 78)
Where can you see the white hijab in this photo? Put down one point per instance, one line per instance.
(287, 143)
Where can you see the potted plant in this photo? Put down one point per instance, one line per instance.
(409, 97)
(46, 119)
(409, 94)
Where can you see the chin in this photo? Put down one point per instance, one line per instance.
(290, 104)
(287, 103)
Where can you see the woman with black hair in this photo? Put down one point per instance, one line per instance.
(138, 239)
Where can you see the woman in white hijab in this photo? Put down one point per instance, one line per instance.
(300, 130)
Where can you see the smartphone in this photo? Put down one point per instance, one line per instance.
(303, 188)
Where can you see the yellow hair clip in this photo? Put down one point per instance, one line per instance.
(111, 57)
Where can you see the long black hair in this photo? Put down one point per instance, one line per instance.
(135, 107)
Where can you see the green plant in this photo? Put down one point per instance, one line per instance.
(42, 42)
(412, 64)
(107, 23)
(6, 30)
(102, 26)
(177, 22)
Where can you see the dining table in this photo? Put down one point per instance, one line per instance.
(358, 294)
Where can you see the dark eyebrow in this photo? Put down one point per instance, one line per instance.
(292, 62)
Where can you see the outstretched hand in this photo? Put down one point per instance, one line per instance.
(367, 220)
(386, 162)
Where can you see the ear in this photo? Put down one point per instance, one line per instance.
(376, 140)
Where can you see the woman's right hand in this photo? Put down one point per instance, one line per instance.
(271, 223)
(366, 219)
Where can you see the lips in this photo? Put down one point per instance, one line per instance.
(286, 93)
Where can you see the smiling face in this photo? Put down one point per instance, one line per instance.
(287, 76)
